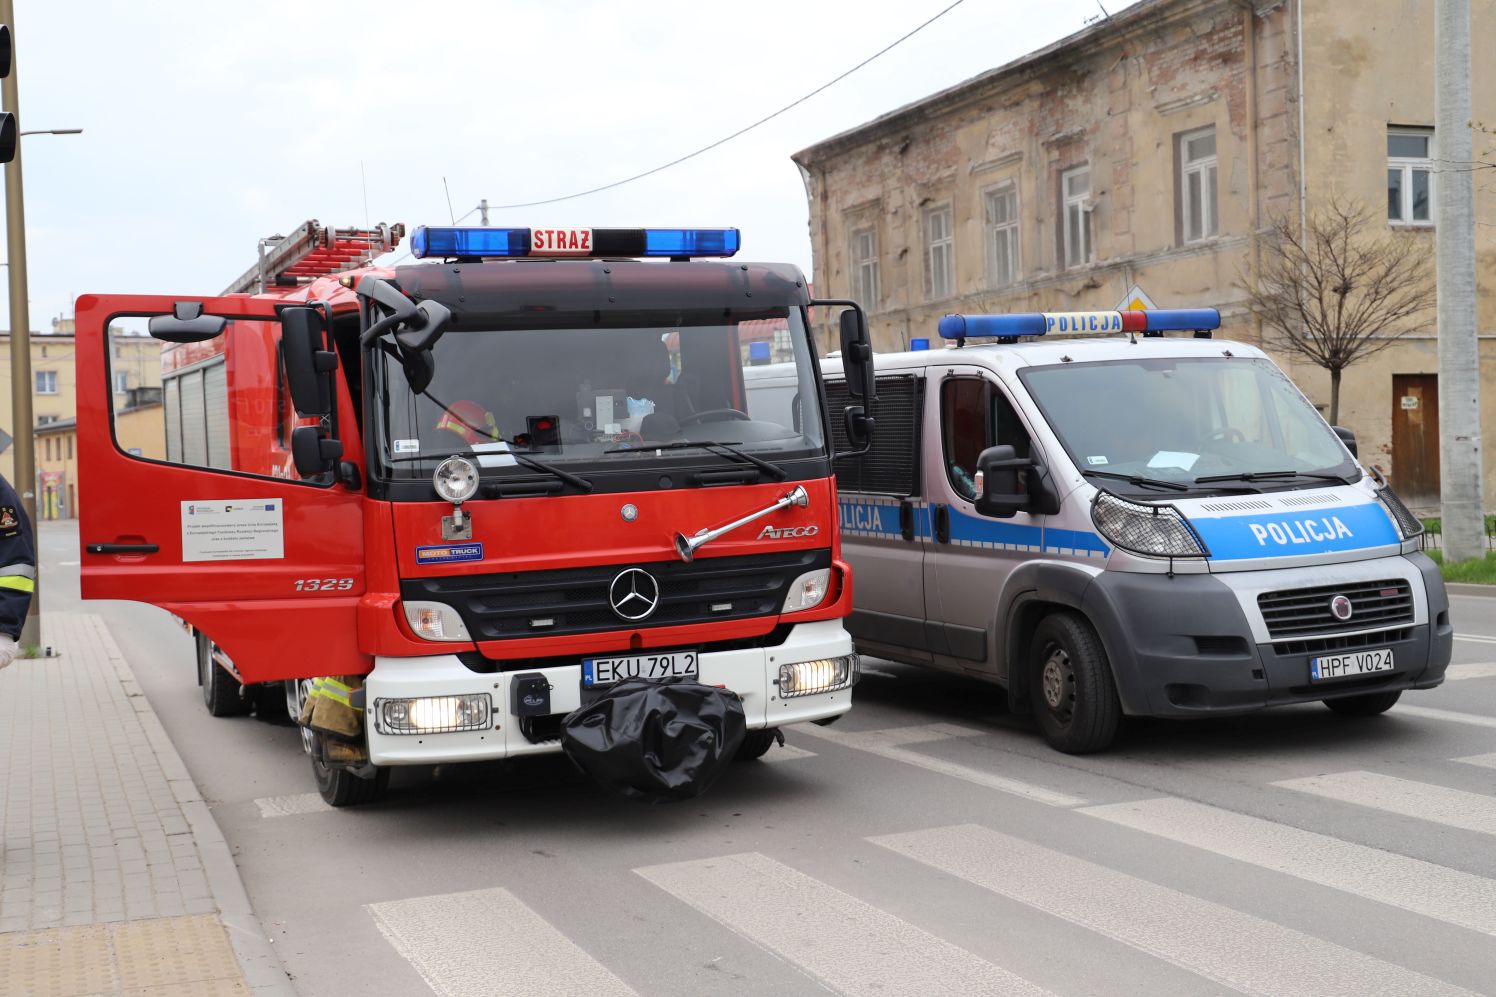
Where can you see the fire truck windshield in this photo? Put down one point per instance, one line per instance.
(589, 397)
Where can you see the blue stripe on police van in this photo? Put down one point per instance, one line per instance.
(1320, 531)
(878, 518)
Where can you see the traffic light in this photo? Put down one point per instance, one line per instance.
(7, 120)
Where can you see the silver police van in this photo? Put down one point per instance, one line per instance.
(1127, 523)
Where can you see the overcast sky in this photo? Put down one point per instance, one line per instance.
(210, 125)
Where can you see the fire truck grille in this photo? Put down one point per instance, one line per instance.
(1306, 612)
(575, 600)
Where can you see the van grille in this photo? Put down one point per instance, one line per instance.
(1302, 612)
(575, 600)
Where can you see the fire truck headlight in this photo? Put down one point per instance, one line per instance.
(807, 591)
(435, 621)
(456, 480)
(806, 678)
(433, 714)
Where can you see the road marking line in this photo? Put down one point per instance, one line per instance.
(850, 946)
(1425, 888)
(1476, 638)
(1240, 950)
(489, 942)
(786, 753)
(1482, 670)
(1438, 804)
(1486, 761)
(1450, 716)
(887, 744)
(291, 806)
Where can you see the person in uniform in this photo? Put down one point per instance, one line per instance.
(17, 571)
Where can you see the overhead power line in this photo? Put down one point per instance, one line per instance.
(741, 131)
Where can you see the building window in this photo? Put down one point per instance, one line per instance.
(1197, 193)
(70, 446)
(1075, 189)
(46, 382)
(121, 383)
(865, 267)
(940, 255)
(1002, 234)
(1410, 171)
(42, 420)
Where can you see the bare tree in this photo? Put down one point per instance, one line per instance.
(1341, 288)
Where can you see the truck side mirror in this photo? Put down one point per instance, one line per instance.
(1001, 492)
(313, 453)
(1348, 438)
(186, 324)
(309, 367)
(857, 362)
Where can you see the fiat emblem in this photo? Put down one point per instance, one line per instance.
(629, 512)
(1340, 608)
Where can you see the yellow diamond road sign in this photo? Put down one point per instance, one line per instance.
(1136, 300)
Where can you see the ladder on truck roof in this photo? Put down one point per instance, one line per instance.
(314, 250)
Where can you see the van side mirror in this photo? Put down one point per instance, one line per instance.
(186, 324)
(1348, 438)
(309, 367)
(857, 363)
(1002, 494)
(312, 453)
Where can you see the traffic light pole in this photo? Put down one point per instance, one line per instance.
(20, 336)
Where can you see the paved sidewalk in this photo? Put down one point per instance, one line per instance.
(114, 877)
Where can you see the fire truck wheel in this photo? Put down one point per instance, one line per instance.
(756, 743)
(341, 788)
(1072, 690)
(1366, 705)
(220, 691)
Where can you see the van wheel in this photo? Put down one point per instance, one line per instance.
(1367, 705)
(341, 788)
(756, 744)
(220, 691)
(1072, 690)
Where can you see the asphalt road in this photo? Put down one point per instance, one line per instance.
(928, 843)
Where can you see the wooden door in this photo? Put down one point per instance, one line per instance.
(1415, 437)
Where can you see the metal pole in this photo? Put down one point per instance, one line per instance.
(483, 209)
(1460, 458)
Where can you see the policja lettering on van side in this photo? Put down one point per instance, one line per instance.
(1308, 531)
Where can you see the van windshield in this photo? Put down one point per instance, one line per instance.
(586, 394)
(1204, 423)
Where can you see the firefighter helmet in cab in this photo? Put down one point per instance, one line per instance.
(470, 421)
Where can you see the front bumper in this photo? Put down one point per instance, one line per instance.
(1184, 646)
(751, 673)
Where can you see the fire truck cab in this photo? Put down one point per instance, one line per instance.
(477, 490)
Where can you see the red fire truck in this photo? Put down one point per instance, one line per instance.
(482, 486)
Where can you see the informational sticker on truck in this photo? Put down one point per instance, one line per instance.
(446, 553)
(233, 530)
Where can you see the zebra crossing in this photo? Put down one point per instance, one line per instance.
(850, 934)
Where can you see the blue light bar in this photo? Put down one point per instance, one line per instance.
(427, 241)
(606, 243)
(1074, 323)
(690, 242)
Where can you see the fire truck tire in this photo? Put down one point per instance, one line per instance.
(220, 691)
(341, 788)
(756, 744)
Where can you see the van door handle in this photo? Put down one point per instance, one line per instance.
(122, 548)
(906, 519)
(942, 524)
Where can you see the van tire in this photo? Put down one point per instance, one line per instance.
(1366, 705)
(341, 788)
(1071, 688)
(221, 693)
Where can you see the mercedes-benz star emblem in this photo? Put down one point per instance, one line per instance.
(1341, 608)
(629, 512)
(634, 594)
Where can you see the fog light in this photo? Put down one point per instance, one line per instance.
(433, 714)
(807, 678)
(435, 621)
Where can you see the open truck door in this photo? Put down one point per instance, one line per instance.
(191, 497)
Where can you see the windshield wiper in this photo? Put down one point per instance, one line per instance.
(1271, 475)
(727, 449)
(1137, 479)
(520, 457)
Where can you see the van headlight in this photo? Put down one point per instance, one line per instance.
(435, 621)
(1144, 528)
(1408, 525)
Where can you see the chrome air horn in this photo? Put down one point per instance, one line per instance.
(686, 546)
